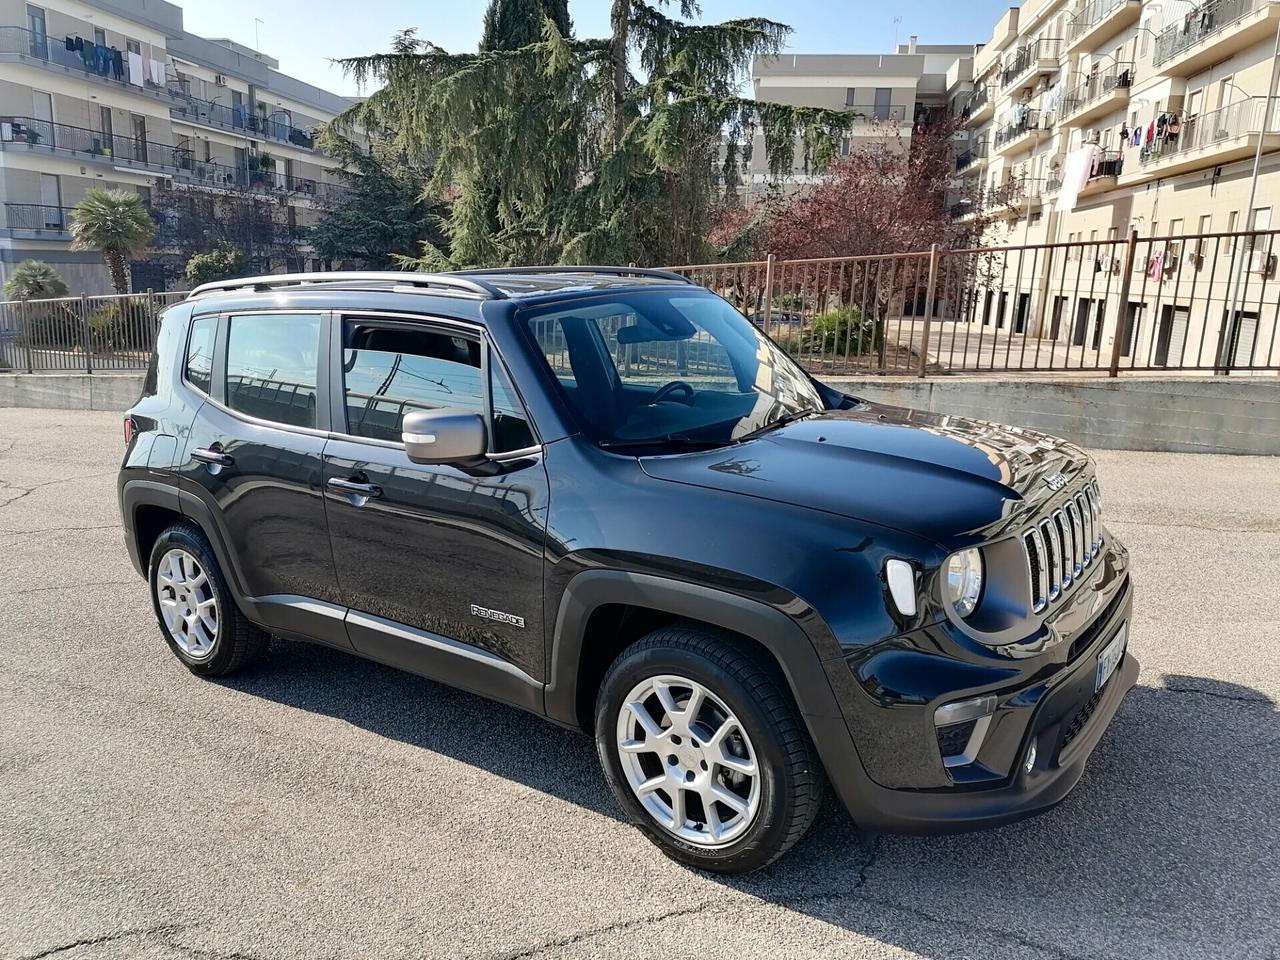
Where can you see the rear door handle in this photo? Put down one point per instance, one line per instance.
(210, 455)
(354, 486)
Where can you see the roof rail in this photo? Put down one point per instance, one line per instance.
(569, 268)
(404, 279)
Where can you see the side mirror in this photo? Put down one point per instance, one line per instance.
(444, 436)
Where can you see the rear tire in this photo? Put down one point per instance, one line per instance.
(727, 786)
(197, 614)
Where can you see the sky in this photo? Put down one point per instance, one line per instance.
(304, 35)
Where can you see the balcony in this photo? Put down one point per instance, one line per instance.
(20, 45)
(90, 146)
(1105, 174)
(1014, 198)
(37, 221)
(241, 119)
(979, 108)
(877, 113)
(1099, 20)
(1098, 96)
(973, 158)
(1212, 33)
(1021, 135)
(158, 159)
(1028, 63)
(1210, 140)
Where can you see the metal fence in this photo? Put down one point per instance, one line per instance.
(1202, 303)
(86, 334)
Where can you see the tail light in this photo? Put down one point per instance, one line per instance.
(130, 428)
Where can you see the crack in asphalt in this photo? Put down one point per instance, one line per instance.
(21, 533)
(27, 491)
(73, 586)
(585, 935)
(1264, 528)
(164, 930)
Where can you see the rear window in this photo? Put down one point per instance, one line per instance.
(271, 367)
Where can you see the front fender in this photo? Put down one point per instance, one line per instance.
(780, 635)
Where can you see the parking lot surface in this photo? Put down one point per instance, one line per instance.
(322, 806)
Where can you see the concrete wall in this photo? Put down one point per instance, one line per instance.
(1237, 415)
(71, 391)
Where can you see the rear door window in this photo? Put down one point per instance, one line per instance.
(272, 364)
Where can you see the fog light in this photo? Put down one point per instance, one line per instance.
(1029, 764)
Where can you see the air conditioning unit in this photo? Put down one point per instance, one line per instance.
(1262, 263)
(220, 79)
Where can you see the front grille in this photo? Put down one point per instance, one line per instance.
(1062, 546)
(953, 738)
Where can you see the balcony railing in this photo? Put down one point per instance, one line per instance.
(1090, 15)
(978, 99)
(1110, 163)
(967, 158)
(1012, 193)
(878, 112)
(1240, 119)
(1201, 22)
(149, 155)
(1047, 48)
(1030, 120)
(102, 62)
(235, 118)
(1096, 87)
(36, 218)
(91, 143)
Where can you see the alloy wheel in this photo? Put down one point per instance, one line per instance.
(187, 603)
(688, 760)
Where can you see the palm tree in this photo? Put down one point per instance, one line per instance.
(117, 223)
(34, 280)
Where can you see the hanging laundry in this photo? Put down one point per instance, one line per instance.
(135, 69)
(157, 71)
(117, 64)
(1155, 267)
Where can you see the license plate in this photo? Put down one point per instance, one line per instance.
(1110, 657)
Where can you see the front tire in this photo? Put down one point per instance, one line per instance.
(705, 750)
(198, 616)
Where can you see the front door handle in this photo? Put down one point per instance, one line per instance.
(355, 486)
(212, 455)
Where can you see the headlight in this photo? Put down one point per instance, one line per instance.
(963, 584)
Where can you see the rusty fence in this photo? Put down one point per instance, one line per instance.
(1206, 303)
(1202, 303)
(84, 334)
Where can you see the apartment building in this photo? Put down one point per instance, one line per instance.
(1087, 119)
(118, 95)
(888, 95)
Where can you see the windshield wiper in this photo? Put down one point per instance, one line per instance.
(781, 421)
(676, 441)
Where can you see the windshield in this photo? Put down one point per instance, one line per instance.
(668, 365)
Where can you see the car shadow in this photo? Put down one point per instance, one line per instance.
(1168, 847)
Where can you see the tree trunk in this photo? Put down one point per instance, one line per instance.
(620, 26)
(118, 270)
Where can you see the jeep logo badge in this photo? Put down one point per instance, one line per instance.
(1055, 481)
(498, 615)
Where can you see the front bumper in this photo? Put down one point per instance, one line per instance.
(1055, 706)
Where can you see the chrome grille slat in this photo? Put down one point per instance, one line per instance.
(1059, 547)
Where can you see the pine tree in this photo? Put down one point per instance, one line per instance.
(558, 151)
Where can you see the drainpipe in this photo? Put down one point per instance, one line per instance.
(1253, 195)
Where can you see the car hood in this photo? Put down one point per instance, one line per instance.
(932, 475)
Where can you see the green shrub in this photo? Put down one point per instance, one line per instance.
(842, 332)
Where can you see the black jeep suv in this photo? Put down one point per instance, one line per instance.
(602, 495)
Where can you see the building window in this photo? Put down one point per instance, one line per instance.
(51, 199)
(850, 95)
(38, 39)
(99, 36)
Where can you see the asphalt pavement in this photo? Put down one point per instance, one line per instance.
(323, 807)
